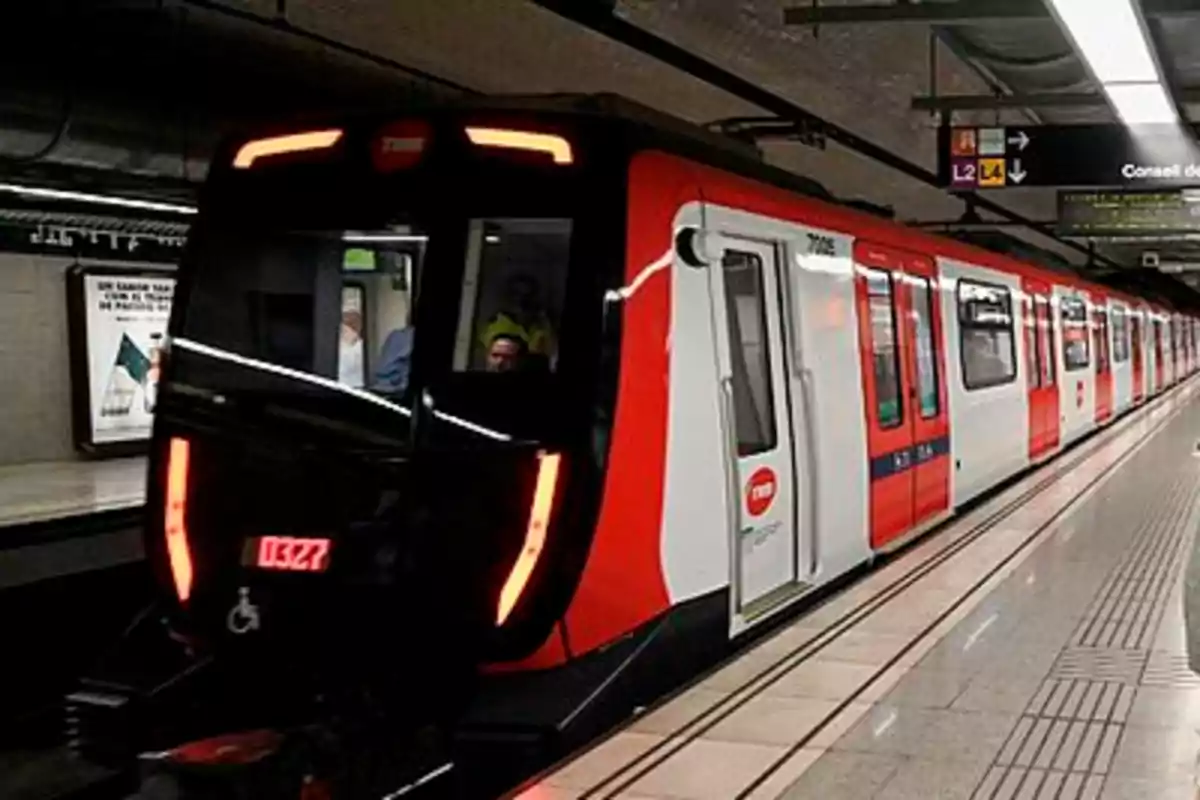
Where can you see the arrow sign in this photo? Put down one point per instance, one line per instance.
(1017, 174)
(1021, 140)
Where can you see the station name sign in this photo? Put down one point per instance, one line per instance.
(972, 158)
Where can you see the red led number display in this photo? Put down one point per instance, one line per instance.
(295, 555)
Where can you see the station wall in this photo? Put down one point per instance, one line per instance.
(35, 379)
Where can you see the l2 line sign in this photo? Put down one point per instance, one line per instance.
(1067, 155)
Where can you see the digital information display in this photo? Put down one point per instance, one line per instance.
(1115, 213)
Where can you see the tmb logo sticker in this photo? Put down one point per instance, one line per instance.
(760, 491)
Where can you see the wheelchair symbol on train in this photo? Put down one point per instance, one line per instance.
(243, 617)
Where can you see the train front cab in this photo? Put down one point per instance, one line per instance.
(360, 491)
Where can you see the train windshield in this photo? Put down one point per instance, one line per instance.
(339, 304)
(344, 312)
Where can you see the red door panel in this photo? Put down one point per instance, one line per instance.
(1102, 349)
(1042, 377)
(1139, 366)
(908, 442)
(1158, 355)
(927, 368)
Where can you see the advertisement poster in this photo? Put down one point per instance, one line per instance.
(124, 321)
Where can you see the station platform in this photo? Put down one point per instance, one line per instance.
(1032, 648)
(59, 519)
(48, 491)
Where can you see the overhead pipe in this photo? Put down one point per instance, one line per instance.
(600, 17)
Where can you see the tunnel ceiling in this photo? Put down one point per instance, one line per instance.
(133, 96)
(152, 85)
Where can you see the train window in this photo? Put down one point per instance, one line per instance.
(352, 365)
(1033, 365)
(1120, 327)
(513, 291)
(746, 316)
(1100, 334)
(927, 371)
(375, 339)
(331, 303)
(987, 343)
(1045, 344)
(881, 301)
(1076, 343)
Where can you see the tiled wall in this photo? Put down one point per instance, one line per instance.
(35, 381)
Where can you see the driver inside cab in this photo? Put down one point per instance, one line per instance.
(522, 318)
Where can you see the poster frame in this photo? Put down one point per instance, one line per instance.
(77, 345)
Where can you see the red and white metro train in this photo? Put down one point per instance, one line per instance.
(749, 390)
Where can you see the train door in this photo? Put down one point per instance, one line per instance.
(745, 294)
(1159, 368)
(1139, 367)
(908, 429)
(1076, 403)
(1041, 375)
(1102, 346)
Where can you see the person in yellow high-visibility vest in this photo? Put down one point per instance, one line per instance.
(523, 318)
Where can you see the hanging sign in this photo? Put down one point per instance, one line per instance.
(984, 157)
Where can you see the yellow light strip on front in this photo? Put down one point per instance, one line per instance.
(175, 521)
(556, 146)
(278, 145)
(535, 535)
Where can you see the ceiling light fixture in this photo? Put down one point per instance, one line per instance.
(1141, 103)
(98, 199)
(384, 237)
(1110, 37)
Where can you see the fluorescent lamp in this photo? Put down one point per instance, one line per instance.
(383, 237)
(99, 199)
(1141, 103)
(1108, 35)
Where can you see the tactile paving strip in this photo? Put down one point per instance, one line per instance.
(1169, 671)
(1063, 744)
(1103, 664)
(1127, 609)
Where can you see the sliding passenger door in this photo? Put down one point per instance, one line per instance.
(1159, 368)
(1041, 375)
(1139, 367)
(1103, 350)
(908, 429)
(745, 292)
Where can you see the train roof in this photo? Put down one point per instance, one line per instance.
(718, 150)
(644, 127)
